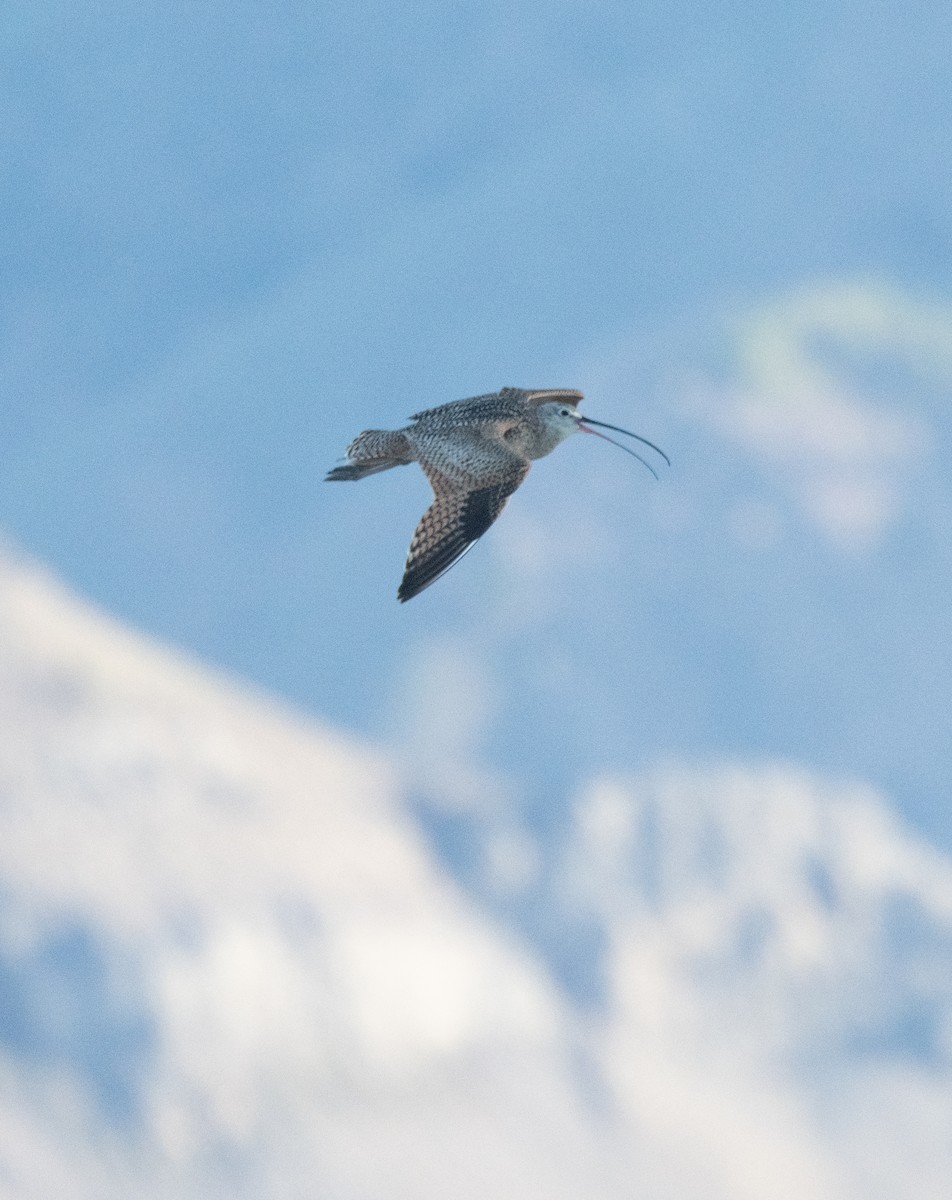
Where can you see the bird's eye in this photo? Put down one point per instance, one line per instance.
(565, 412)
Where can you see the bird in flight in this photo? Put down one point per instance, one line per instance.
(475, 454)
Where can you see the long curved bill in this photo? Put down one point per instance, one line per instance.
(585, 422)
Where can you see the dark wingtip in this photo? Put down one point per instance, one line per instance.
(413, 584)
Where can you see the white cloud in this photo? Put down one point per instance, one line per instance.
(804, 396)
(440, 714)
(446, 700)
(845, 457)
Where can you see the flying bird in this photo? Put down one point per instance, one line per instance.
(475, 454)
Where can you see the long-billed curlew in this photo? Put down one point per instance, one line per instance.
(475, 454)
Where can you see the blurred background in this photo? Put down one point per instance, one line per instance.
(617, 864)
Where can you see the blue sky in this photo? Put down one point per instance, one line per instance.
(235, 235)
(587, 167)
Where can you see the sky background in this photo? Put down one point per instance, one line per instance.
(234, 238)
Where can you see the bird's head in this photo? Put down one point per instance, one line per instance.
(560, 418)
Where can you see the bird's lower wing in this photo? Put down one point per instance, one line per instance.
(455, 520)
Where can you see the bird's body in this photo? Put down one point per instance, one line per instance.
(475, 454)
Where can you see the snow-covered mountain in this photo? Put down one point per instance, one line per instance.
(790, 946)
(230, 964)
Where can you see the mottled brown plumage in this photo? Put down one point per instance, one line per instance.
(475, 454)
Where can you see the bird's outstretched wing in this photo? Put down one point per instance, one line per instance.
(457, 518)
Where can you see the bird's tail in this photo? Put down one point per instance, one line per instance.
(372, 451)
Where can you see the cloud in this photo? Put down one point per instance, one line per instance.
(795, 403)
(442, 707)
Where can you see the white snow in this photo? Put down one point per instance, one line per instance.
(231, 966)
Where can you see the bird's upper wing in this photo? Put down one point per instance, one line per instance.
(492, 405)
(537, 396)
(461, 512)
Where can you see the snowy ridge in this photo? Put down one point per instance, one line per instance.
(230, 966)
(787, 944)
